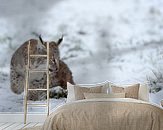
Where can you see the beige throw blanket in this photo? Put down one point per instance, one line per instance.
(106, 114)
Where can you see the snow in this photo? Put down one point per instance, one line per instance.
(103, 40)
(157, 97)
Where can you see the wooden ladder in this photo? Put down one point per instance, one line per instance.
(29, 71)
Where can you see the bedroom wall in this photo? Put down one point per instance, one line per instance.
(103, 40)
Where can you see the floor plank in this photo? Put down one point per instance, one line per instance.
(17, 126)
(22, 125)
(30, 125)
(39, 124)
(5, 126)
(12, 127)
(2, 123)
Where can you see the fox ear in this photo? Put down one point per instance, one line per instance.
(60, 40)
(41, 39)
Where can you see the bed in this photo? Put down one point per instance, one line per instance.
(91, 110)
(106, 114)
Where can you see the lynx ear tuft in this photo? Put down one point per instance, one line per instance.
(60, 40)
(41, 39)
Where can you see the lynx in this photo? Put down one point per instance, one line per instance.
(60, 73)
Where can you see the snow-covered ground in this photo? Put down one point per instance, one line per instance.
(116, 40)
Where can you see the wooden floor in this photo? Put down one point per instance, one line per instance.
(17, 126)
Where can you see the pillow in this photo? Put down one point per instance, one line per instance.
(76, 92)
(131, 91)
(144, 92)
(105, 86)
(103, 95)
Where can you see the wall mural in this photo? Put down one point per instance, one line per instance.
(103, 40)
(60, 74)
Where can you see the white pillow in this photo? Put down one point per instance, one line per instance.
(72, 95)
(71, 92)
(144, 92)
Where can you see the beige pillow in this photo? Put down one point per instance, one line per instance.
(105, 86)
(131, 91)
(76, 92)
(103, 95)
